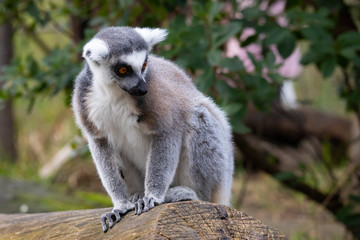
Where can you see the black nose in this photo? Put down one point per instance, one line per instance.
(142, 92)
(139, 90)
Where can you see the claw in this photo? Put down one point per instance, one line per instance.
(112, 218)
(117, 215)
(103, 223)
(152, 203)
(139, 206)
(144, 205)
(109, 217)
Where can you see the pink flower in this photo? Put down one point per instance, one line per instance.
(291, 66)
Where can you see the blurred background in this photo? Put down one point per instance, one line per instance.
(286, 73)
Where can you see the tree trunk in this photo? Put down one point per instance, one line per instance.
(7, 128)
(182, 220)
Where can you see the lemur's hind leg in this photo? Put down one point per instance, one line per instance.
(211, 160)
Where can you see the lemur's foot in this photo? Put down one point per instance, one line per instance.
(136, 196)
(112, 217)
(145, 204)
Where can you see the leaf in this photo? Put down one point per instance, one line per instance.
(292, 4)
(316, 34)
(33, 10)
(317, 52)
(323, 48)
(253, 13)
(352, 220)
(286, 46)
(328, 66)
(355, 198)
(249, 40)
(343, 213)
(233, 108)
(205, 80)
(309, 58)
(239, 127)
(232, 64)
(276, 35)
(214, 9)
(348, 39)
(270, 59)
(214, 57)
(356, 61)
(350, 52)
(257, 64)
(198, 9)
(33, 67)
(220, 34)
(228, 95)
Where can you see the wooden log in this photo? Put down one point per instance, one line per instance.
(182, 220)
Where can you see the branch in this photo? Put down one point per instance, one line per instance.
(291, 126)
(182, 220)
(253, 151)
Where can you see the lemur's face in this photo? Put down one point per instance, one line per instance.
(119, 56)
(129, 72)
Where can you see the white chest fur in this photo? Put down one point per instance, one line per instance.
(114, 114)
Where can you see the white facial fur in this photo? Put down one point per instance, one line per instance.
(152, 36)
(135, 60)
(95, 50)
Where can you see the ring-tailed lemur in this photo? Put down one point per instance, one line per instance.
(153, 136)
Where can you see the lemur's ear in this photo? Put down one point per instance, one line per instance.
(152, 36)
(95, 50)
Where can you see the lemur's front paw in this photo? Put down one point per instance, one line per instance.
(114, 216)
(146, 203)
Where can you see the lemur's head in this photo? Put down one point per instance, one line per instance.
(119, 55)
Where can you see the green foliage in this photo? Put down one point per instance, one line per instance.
(23, 169)
(329, 48)
(80, 200)
(20, 11)
(28, 77)
(56, 198)
(348, 214)
(349, 217)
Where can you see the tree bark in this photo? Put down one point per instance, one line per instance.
(182, 220)
(7, 125)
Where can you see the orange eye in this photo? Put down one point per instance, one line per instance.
(144, 65)
(122, 70)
